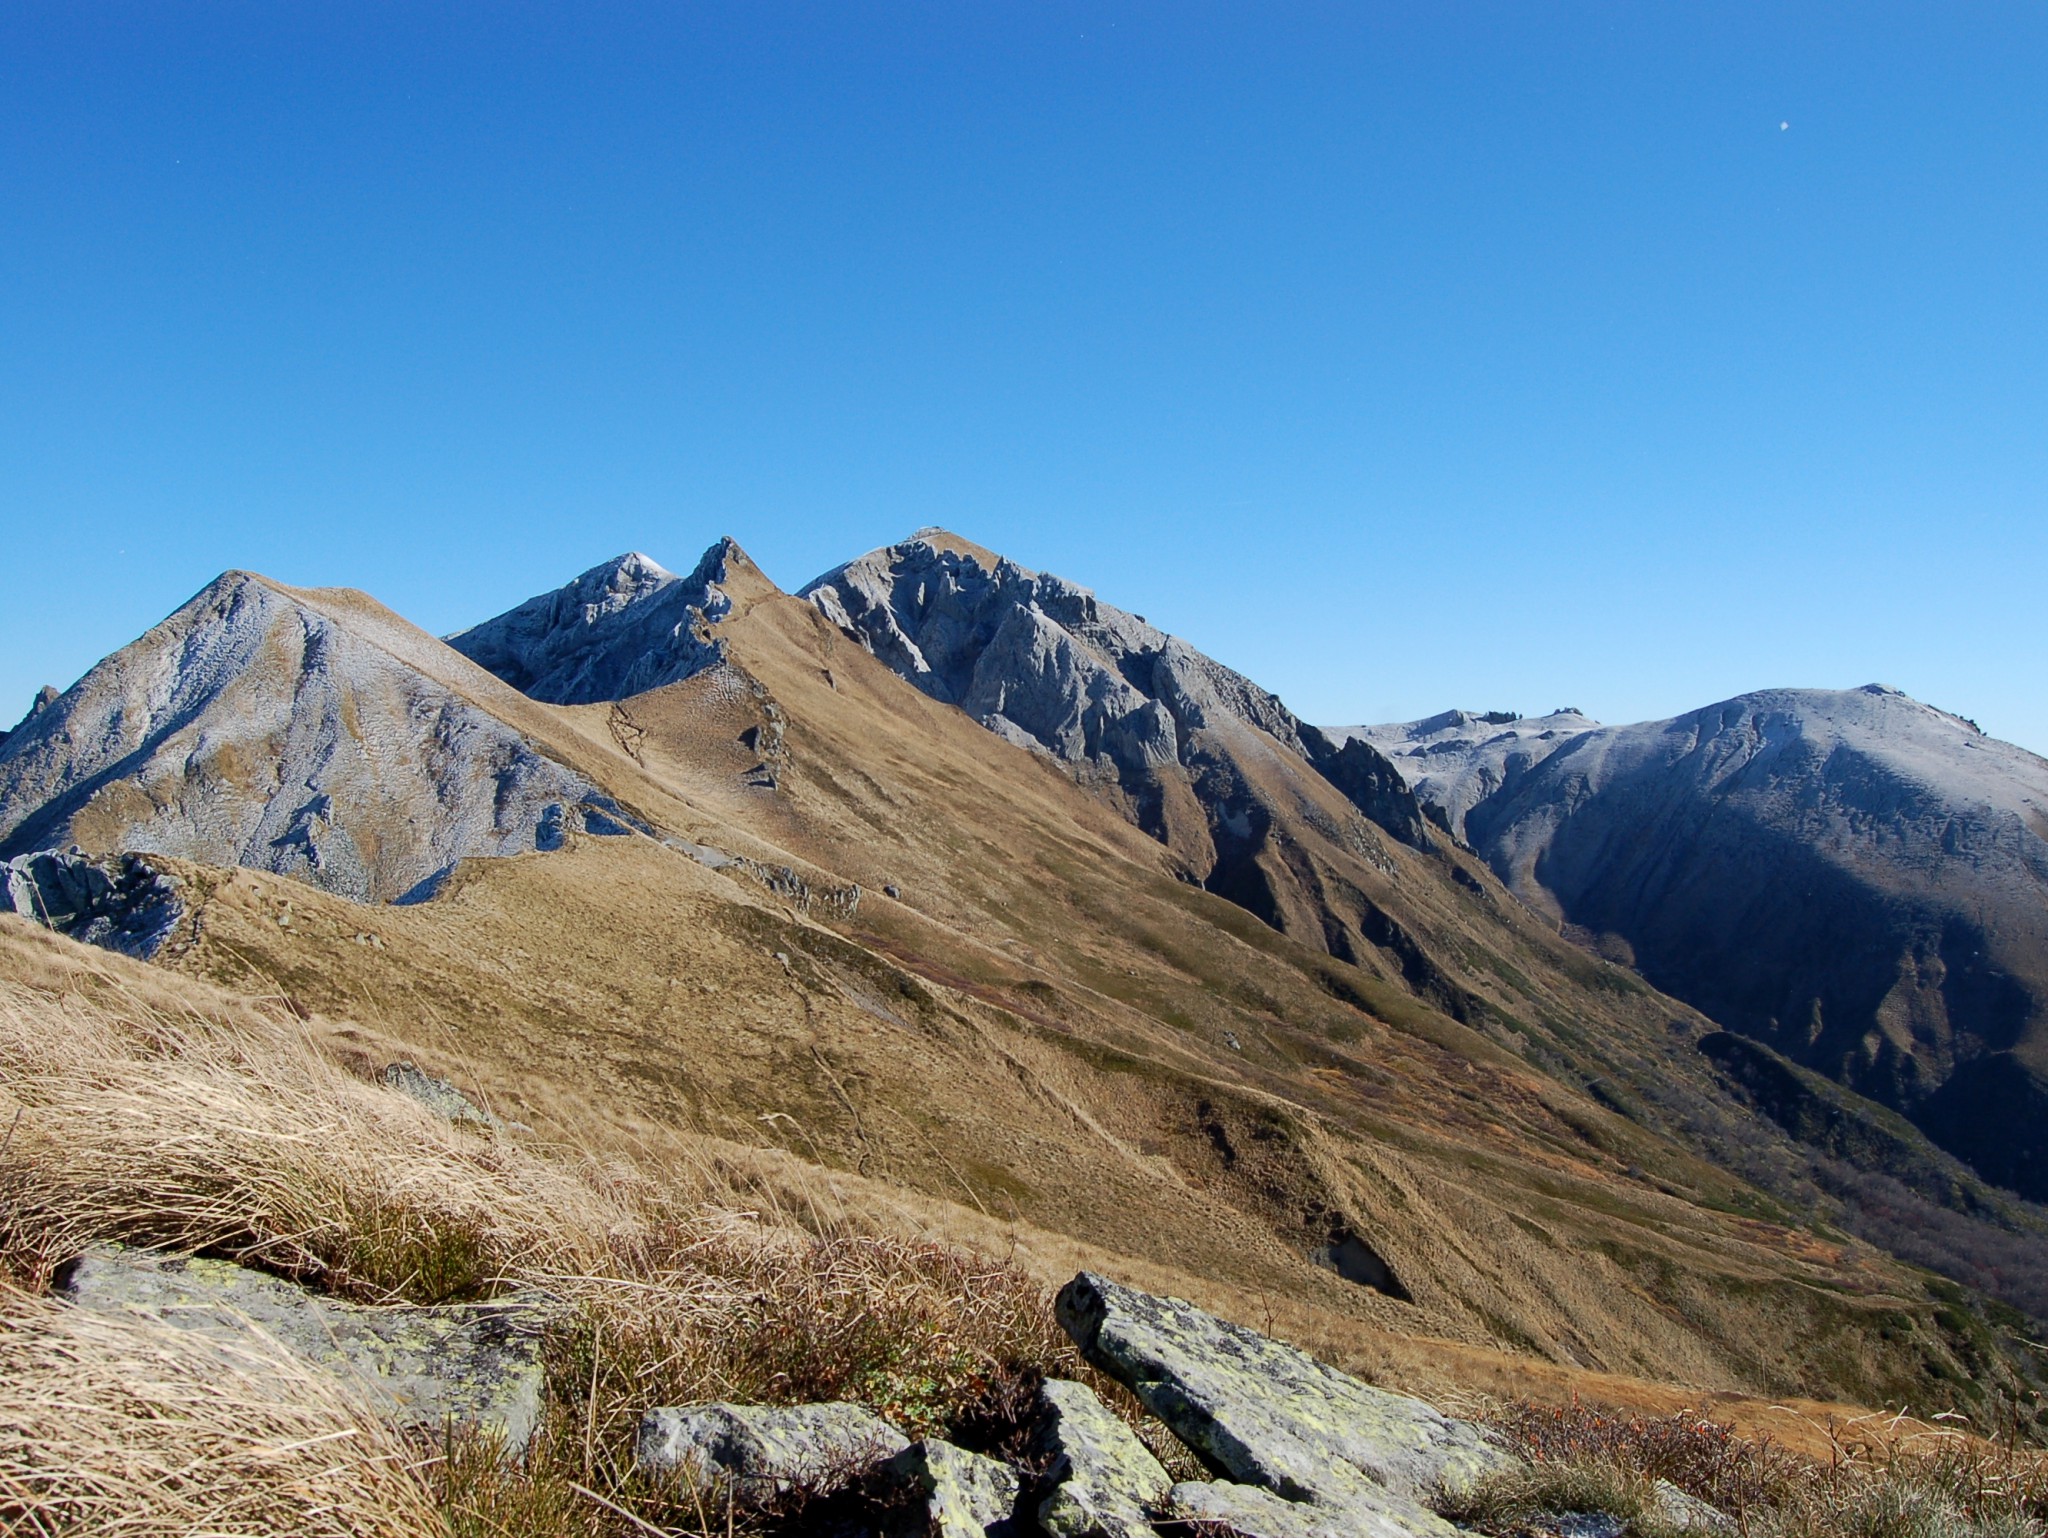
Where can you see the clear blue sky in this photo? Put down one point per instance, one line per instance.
(1505, 355)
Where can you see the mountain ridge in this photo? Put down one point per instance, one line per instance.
(1856, 878)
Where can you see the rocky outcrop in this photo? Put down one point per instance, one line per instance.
(311, 734)
(1321, 1452)
(955, 1493)
(439, 1096)
(763, 1450)
(475, 1364)
(1259, 807)
(1044, 663)
(618, 630)
(124, 905)
(1852, 877)
(1105, 1483)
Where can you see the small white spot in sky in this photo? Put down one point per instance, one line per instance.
(1783, 126)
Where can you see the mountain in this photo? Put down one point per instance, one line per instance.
(875, 962)
(1257, 805)
(308, 733)
(1852, 877)
(1455, 760)
(619, 629)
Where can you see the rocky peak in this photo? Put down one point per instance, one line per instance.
(45, 698)
(619, 629)
(1044, 663)
(313, 734)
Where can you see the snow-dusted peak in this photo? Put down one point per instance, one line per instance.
(309, 733)
(1457, 758)
(619, 629)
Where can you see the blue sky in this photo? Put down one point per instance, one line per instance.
(1516, 355)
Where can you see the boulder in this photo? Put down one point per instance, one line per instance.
(959, 1494)
(765, 1450)
(1682, 1513)
(438, 1095)
(471, 1364)
(1103, 1478)
(1277, 1419)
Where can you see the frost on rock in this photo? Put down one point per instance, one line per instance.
(310, 734)
(1850, 876)
(618, 630)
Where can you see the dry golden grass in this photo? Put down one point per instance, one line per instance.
(188, 1131)
(1882, 1477)
(125, 1428)
(161, 1116)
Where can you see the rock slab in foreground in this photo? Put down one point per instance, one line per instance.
(1339, 1456)
(960, 1494)
(472, 1364)
(1104, 1477)
(765, 1450)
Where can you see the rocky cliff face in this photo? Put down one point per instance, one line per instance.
(301, 732)
(620, 629)
(1856, 878)
(1207, 762)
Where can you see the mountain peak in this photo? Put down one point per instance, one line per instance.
(621, 628)
(949, 543)
(307, 733)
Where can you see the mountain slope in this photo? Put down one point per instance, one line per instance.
(1855, 878)
(850, 933)
(1196, 754)
(311, 734)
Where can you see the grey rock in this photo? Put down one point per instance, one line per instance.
(1255, 1513)
(125, 905)
(1104, 1480)
(473, 1364)
(618, 630)
(1584, 1524)
(1687, 1513)
(959, 1494)
(763, 1449)
(1274, 1417)
(437, 1095)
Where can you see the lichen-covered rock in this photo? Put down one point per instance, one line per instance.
(1252, 1512)
(1103, 1478)
(471, 1364)
(1275, 1417)
(1683, 1513)
(959, 1494)
(765, 1450)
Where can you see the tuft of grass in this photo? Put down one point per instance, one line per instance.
(118, 1425)
(1886, 1477)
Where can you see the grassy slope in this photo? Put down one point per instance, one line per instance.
(1051, 1041)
